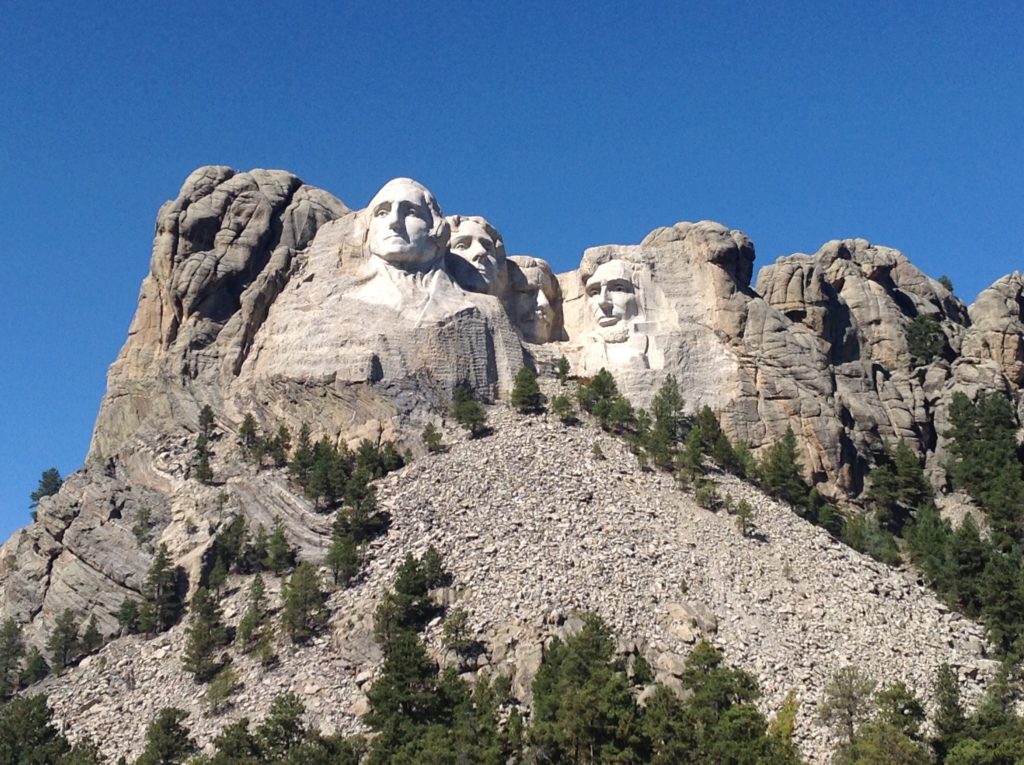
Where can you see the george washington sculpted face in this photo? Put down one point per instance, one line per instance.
(406, 228)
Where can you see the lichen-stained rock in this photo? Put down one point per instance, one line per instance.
(997, 328)
(694, 315)
(223, 250)
(857, 299)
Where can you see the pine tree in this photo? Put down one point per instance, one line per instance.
(950, 721)
(468, 412)
(283, 729)
(248, 436)
(280, 555)
(343, 559)
(204, 635)
(925, 339)
(254, 617)
(63, 643)
(562, 369)
(128, 616)
(163, 604)
(206, 420)
(49, 484)
(92, 640)
(203, 470)
(167, 740)
(28, 735)
(847, 702)
(279, 446)
(302, 459)
(302, 614)
(12, 651)
(562, 408)
(779, 471)
(35, 669)
(526, 395)
(432, 439)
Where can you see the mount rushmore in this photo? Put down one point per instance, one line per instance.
(263, 290)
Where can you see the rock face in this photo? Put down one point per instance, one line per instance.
(271, 297)
(535, 529)
(223, 250)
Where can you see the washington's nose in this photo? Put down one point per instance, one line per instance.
(393, 219)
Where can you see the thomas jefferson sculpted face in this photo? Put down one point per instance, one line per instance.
(406, 228)
(480, 246)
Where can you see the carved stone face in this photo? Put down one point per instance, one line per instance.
(403, 224)
(535, 297)
(472, 242)
(611, 296)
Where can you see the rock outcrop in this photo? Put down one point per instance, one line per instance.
(271, 297)
(535, 530)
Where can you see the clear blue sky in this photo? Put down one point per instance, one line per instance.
(567, 126)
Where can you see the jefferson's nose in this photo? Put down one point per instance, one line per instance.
(542, 299)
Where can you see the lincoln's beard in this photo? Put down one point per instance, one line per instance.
(616, 333)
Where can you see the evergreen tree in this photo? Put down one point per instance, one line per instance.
(12, 651)
(167, 740)
(63, 643)
(279, 446)
(526, 395)
(847, 702)
(950, 721)
(49, 484)
(35, 669)
(925, 339)
(432, 439)
(946, 282)
(201, 465)
(968, 558)
(897, 487)
(204, 635)
(900, 709)
(248, 436)
(985, 460)
(780, 471)
(255, 615)
(280, 555)
(256, 551)
(128, 616)
(163, 603)
(562, 369)
(929, 540)
(302, 614)
(206, 421)
(468, 412)
(302, 459)
(583, 709)
(342, 559)
(28, 735)
(282, 730)
(562, 408)
(92, 640)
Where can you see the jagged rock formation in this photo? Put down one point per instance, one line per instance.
(269, 296)
(534, 529)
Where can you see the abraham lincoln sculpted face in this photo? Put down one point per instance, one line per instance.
(406, 228)
(611, 296)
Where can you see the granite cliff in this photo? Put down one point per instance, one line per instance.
(271, 297)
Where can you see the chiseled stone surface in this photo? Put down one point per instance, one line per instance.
(536, 530)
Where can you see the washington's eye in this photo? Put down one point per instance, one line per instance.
(380, 212)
